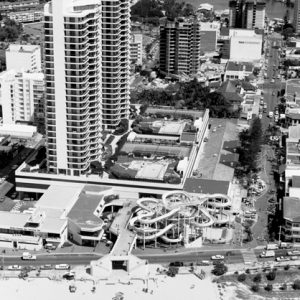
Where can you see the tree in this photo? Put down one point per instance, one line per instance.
(296, 284)
(269, 287)
(283, 287)
(255, 288)
(271, 275)
(242, 277)
(219, 269)
(257, 278)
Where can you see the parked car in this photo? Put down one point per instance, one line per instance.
(14, 268)
(282, 258)
(46, 267)
(62, 267)
(217, 257)
(176, 264)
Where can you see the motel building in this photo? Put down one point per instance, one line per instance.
(62, 213)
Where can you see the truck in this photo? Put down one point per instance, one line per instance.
(272, 247)
(268, 253)
(28, 256)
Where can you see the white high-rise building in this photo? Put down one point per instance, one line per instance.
(23, 58)
(21, 96)
(87, 78)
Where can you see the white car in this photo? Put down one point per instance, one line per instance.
(14, 268)
(217, 257)
(62, 267)
(282, 258)
(294, 252)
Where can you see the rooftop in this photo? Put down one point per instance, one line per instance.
(59, 197)
(206, 186)
(294, 132)
(296, 181)
(22, 48)
(239, 66)
(209, 167)
(291, 209)
(83, 213)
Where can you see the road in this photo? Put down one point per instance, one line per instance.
(270, 89)
(231, 257)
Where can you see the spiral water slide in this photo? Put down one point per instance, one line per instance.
(145, 218)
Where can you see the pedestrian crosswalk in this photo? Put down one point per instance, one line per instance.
(249, 256)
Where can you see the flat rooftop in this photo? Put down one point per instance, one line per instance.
(59, 197)
(158, 150)
(291, 209)
(292, 87)
(196, 114)
(209, 167)
(82, 212)
(206, 186)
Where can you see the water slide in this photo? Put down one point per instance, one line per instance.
(174, 202)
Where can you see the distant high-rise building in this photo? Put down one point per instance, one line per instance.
(296, 21)
(179, 46)
(247, 14)
(23, 58)
(21, 96)
(87, 78)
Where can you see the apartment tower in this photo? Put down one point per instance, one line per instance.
(247, 14)
(179, 46)
(86, 78)
(296, 21)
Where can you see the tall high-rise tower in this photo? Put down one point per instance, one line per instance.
(247, 14)
(86, 78)
(179, 46)
(296, 21)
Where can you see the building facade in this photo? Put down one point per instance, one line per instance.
(296, 21)
(136, 49)
(247, 14)
(26, 16)
(179, 46)
(87, 79)
(21, 96)
(23, 58)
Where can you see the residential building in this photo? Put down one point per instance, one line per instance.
(236, 10)
(209, 33)
(248, 14)
(296, 21)
(25, 16)
(21, 96)
(18, 5)
(136, 49)
(292, 116)
(255, 13)
(87, 79)
(179, 46)
(23, 58)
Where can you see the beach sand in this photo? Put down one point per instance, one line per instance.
(179, 288)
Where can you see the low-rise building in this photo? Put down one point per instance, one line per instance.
(238, 70)
(26, 16)
(291, 217)
(62, 212)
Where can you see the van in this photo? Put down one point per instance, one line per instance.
(271, 114)
(62, 267)
(272, 247)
